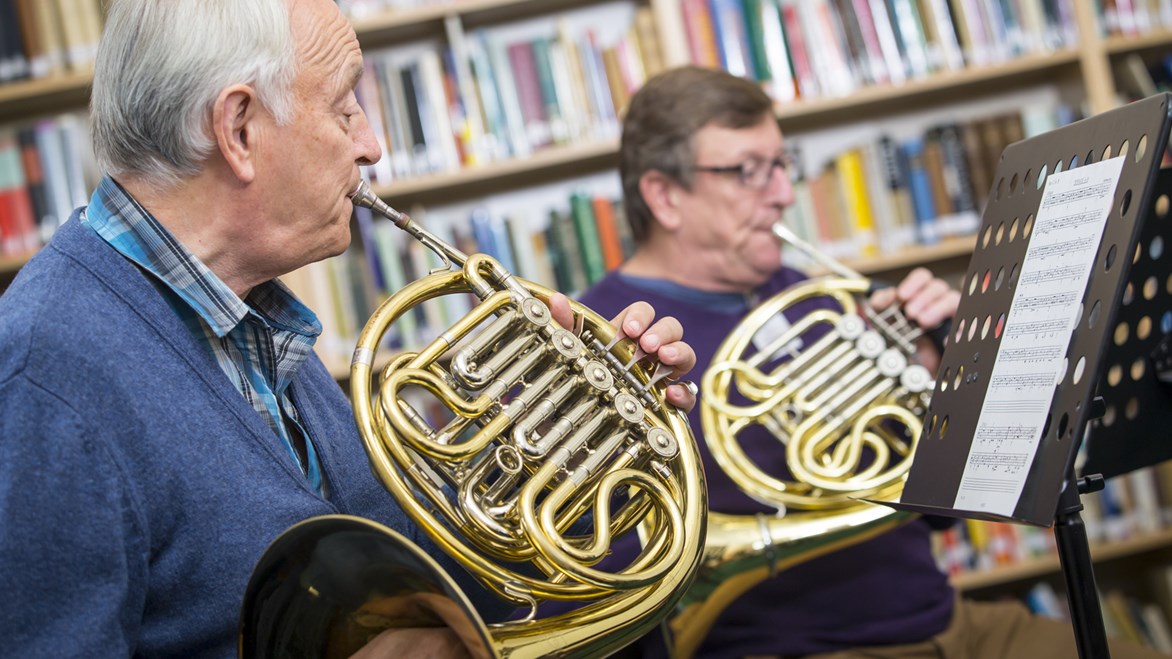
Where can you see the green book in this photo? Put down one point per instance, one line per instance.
(564, 253)
(756, 34)
(549, 94)
(582, 213)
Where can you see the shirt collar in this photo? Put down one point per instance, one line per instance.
(716, 301)
(131, 230)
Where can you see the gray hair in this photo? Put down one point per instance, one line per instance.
(160, 68)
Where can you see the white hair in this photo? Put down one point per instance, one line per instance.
(162, 64)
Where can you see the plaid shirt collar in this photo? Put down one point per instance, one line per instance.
(136, 234)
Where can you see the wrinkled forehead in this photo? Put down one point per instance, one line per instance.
(323, 37)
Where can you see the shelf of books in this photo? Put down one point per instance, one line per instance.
(1128, 525)
(471, 99)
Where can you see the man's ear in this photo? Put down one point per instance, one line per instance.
(663, 196)
(236, 129)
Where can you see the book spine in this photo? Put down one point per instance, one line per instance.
(857, 206)
(920, 187)
(473, 127)
(543, 65)
(496, 131)
(700, 33)
(370, 98)
(529, 96)
(586, 230)
(807, 81)
(608, 232)
(728, 24)
(443, 154)
(508, 94)
(776, 51)
(34, 174)
(905, 18)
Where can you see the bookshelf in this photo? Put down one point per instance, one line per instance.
(1081, 73)
(1143, 546)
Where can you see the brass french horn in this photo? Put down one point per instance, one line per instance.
(555, 442)
(847, 407)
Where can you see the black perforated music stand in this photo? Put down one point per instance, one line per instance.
(1048, 492)
(1136, 384)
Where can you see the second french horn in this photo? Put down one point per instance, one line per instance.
(847, 405)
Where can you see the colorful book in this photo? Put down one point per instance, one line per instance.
(700, 33)
(529, 93)
(541, 49)
(857, 205)
(473, 118)
(508, 95)
(775, 51)
(893, 57)
(586, 230)
(920, 187)
(608, 232)
(497, 142)
(565, 252)
(732, 40)
(807, 81)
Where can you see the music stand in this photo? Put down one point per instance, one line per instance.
(1039, 304)
(1137, 377)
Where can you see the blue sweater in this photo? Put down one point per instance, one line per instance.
(137, 487)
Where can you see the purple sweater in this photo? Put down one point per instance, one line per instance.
(884, 591)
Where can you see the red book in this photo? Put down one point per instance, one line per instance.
(18, 228)
(701, 37)
(528, 85)
(798, 52)
(608, 232)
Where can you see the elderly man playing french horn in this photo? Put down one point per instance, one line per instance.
(163, 416)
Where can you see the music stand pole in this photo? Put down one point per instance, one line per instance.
(1074, 555)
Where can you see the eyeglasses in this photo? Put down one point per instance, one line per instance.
(755, 173)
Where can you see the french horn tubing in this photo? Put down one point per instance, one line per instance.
(847, 406)
(553, 443)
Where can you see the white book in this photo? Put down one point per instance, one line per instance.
(507, 89)
(894, 60)
(781, 84)
(466, 85)
(444, 154)
(948, 47)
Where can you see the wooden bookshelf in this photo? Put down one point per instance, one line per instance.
(10, 264)
(913, 255)
(27, 99)
(1120, 45)
(935, 88)
(548, 164)
(1043, 566)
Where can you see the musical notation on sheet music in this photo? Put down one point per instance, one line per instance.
(1070, 271)
(1030, 359)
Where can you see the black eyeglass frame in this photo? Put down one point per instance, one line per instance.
(786, 161)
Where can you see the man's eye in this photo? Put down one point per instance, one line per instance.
(750, 167)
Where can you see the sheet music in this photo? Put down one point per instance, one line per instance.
(1038, 328)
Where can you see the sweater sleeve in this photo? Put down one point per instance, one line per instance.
(74, 575)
